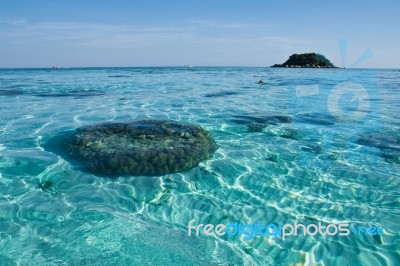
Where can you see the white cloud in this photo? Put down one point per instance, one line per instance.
(194, 42)
(109, 35)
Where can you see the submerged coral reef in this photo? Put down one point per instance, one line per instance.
(140, 147)
(257, 122)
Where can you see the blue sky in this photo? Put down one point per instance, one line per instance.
(43, 33)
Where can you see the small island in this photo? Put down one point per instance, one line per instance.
(307, 60)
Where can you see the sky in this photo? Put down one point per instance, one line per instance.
(95, 33)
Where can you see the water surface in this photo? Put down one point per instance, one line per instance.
(334, 163)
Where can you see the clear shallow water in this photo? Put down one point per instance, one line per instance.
(331, 164)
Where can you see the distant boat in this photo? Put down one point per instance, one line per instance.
(188, 66)
(57, 67)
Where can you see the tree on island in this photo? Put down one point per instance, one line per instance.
(308, 60)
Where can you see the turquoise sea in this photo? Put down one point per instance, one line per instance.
(338, 161)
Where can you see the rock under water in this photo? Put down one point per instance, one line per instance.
(221, 94)
(262, 118)
(257, 122)
(316, 119)
(380, 141)
(139, 147)
(389, 145)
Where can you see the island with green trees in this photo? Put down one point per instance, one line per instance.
(307, 60)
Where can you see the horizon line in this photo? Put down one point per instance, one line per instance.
(178, 66)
